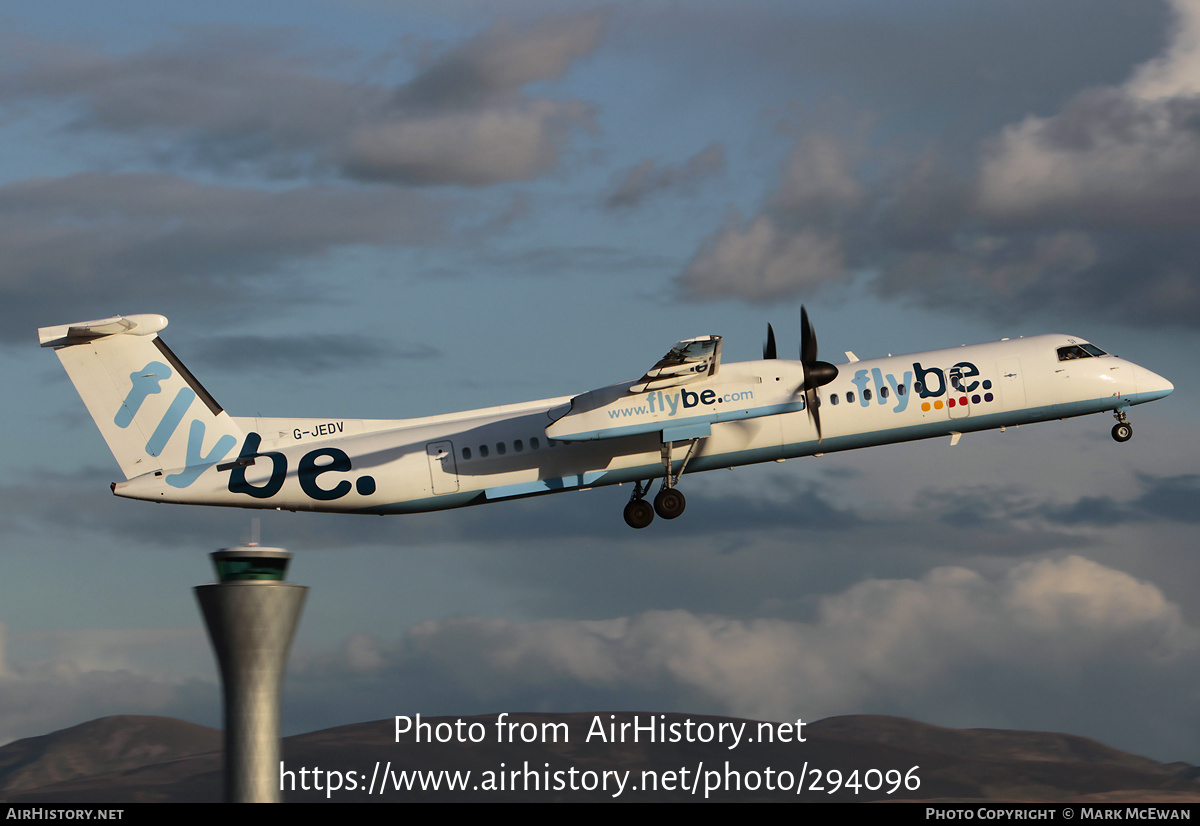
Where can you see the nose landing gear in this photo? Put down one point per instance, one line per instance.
(1122, 431)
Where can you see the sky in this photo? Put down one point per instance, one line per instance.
(371, 209)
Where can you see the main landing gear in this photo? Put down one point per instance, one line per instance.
(669, 502)
(1122, 431)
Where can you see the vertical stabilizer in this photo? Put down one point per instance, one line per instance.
(150, 409)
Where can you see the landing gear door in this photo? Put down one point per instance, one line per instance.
(443, 472)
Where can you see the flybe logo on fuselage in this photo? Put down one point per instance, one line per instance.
(960, 383)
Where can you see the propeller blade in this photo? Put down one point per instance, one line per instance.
(808, 338)
(814, 410)
(769, 344)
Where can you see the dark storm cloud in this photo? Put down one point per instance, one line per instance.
(314, 351)
(118, 240)
(632, 186)
(1053, 214)
(964, 66)
(497, 63)
(215, 96)
(1170, 498)
(223, 98)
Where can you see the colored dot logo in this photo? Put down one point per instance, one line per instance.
(958, 401)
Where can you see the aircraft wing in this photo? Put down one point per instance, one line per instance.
(689, 360)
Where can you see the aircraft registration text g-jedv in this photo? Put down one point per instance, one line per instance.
(689, 412)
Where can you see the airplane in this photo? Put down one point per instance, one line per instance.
(687, 413)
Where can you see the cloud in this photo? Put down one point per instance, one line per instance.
(1043, 629)
(795, 244)
(105, 239)
(1072, 641)
(634, 185)
(237, 100)
(504, 58)
(1052, 213)
(761, 261)
(67, 677)
(464, 119)
(474, 147)
(216, 96)
(1171, 498)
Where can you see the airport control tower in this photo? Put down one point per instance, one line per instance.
(251, 614)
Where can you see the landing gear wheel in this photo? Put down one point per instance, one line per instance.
(638, 513)
(1122, 431)
(669, 503)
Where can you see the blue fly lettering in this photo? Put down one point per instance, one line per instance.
(170, 421)
(197, 462)
(145, 383)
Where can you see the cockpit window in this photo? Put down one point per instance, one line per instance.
(1079, 351)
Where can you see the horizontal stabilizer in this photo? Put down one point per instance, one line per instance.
(62, 335)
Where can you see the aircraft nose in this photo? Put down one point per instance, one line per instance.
(1151, 386)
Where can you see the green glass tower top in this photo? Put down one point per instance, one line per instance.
(250, 563)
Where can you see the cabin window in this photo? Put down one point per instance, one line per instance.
(833, 399)
(534, 444)
(867, 394)
(518, 446)
(900, 390)
(883, 392)
(918, 387)
(500, 449)
(850, 396)
(466, 453)
(483, 452)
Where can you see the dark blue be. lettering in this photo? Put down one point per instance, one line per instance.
(237, 476)
(922, 375)
(309, 470)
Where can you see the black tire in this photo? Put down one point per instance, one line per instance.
(1122, 431)
(638, 514)
(669, 503)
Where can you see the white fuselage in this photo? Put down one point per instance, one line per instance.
(748, 412)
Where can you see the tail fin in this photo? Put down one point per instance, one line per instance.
(139, 395)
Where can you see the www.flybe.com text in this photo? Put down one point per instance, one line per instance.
(672, 403)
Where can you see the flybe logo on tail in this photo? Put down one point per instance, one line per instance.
(146, 383)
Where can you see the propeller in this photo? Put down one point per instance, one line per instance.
(816, 373)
